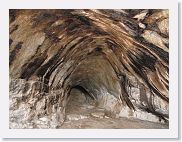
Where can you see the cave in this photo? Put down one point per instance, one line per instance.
(88, 68)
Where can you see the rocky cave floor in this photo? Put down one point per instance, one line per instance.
(82, 113)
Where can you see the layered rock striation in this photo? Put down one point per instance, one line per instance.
(117, 58)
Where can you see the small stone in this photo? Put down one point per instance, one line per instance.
(141, 15)
(142, 26)
(75, 117)
(43, 119)
(98, 114)
(107, 116)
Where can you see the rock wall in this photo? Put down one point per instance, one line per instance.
(118, 58)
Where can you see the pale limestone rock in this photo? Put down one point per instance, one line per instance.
(156, 39)
(98, 114)
(141, 15)
(164, 26)
(141, 25)
(75, 117)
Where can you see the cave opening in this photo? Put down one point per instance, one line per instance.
(79, 101)
(86, 62)
(94, 90)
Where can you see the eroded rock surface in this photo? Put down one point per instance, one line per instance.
(114, 61)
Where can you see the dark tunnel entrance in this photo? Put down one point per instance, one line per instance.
(80, 102)
(95, 89)
(87, 64)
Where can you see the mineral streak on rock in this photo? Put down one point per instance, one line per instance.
(118, 59)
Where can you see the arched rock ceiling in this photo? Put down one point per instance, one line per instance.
(98, 50)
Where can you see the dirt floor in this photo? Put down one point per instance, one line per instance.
(111, 123)
(81, 113)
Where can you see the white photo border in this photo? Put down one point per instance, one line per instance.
(172, 132)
